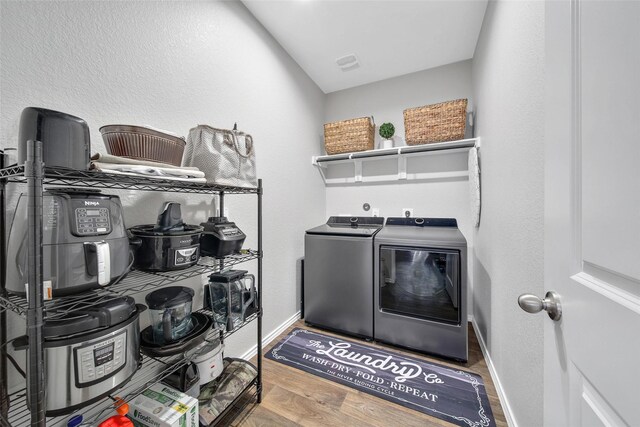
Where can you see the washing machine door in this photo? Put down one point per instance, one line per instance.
(420, 283)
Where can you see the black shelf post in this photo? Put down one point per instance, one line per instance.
(4, 379)
(260, 255)
(36, 388)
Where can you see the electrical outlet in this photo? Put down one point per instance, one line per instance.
(226, 212)
(407, 212)
(375, 212)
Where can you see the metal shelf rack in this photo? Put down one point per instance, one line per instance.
(135, 282)
(13, 407)
(151, 371)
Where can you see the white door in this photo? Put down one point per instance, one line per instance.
(592, 213)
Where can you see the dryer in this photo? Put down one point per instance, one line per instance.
(420, 286)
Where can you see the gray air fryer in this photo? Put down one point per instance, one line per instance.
(65, 138)
(85, 243)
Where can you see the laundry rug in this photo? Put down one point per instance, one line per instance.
(450, 394)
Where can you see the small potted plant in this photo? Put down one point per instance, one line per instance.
(386, 132)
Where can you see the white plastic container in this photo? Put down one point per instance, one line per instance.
(209, 362)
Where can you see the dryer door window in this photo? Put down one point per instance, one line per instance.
(420, 282)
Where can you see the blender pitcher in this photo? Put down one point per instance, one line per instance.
(230, 298)
(170, 311)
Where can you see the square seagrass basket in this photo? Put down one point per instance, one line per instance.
(348, 136)
(441, 122)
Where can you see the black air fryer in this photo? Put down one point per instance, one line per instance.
(65, 138)
(221, 237)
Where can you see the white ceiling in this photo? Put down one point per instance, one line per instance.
(390, 38)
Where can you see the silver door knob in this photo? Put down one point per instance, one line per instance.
(533, 304)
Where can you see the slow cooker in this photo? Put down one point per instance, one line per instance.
(89, 353)
(210, 361)
(167, 245)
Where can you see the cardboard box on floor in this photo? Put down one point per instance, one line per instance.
(163, 406)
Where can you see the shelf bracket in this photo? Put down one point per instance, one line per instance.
(358, 170)
(402, 167)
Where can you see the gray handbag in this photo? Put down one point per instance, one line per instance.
(227, 157)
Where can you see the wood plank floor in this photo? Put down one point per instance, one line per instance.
(292, 397)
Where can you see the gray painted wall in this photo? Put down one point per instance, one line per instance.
(174, 65)
(387, 99)
(508, 82)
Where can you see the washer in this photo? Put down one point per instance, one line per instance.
(420, 286)
(338, 275)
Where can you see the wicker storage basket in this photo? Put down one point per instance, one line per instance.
(142, 143)
(435, 123)
(348, 136)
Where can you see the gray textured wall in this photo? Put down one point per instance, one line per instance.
(174, 65)
(508, 82)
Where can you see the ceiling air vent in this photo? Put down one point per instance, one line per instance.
(348, 62)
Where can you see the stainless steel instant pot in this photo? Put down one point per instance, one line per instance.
(85, 243)
(89, 353)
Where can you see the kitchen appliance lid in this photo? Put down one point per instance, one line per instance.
(227, 276)
(170, 218)
(205, 351)
(148, 230)
(213, 221)
(169, 297)
(95, 315)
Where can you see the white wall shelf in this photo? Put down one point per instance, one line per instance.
(392, 164)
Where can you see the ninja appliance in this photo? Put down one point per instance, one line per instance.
(65, 138)
(89, 353)
(85, 243)
(221, 237)
(169, 244)
(174, 327)
(232, 296)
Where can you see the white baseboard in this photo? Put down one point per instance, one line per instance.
(272, 335)
(506, 408)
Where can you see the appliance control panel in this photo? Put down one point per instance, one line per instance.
(185, 256)
(100, 359)
(92, 221)
(231, 231)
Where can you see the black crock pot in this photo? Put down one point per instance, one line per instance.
(166, 250)
(167, 245)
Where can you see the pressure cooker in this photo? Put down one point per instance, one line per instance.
(89, 352)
